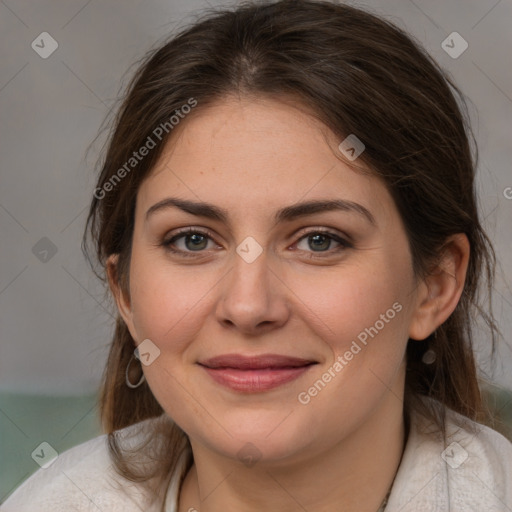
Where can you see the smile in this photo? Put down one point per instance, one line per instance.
(255, 374)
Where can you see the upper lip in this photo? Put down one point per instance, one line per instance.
(255, 362)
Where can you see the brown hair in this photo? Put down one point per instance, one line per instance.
(360, 75)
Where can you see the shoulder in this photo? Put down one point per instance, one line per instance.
(469, 469)
(82, 479)
(478, 461)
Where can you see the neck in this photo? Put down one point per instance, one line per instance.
(354, 475)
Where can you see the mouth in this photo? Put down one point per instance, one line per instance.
(255, 373)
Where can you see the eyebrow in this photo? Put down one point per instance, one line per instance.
(288, 213)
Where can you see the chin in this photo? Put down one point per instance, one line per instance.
(271, 439)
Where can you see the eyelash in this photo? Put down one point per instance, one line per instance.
(344, 244)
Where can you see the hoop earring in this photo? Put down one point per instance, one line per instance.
(128, 383)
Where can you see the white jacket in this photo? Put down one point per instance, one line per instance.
(471, 472)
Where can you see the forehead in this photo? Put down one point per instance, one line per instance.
(256, 154)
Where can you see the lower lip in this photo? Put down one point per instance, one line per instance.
(254, 381)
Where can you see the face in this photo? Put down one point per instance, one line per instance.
(277, 324)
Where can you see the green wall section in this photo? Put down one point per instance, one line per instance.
(28, 420)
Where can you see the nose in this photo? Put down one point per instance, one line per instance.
(253, 299)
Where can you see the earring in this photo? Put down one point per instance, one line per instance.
(128, 383)
(430, 356)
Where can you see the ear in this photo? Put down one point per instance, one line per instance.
(121, 296)
(439, 293)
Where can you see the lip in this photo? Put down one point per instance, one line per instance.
(253, 374)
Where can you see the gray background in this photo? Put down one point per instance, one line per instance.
(55, 323)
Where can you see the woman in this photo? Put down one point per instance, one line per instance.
(287, 219)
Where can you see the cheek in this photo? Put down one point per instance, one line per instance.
(364, 318)
(359, 303)
(166, 301)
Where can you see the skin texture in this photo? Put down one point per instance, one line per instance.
(300, 297)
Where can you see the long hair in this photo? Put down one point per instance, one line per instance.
(359, 74)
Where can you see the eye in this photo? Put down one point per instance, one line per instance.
(321, 240)
(193, 241)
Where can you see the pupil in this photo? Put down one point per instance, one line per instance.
(326, 241)
(196, 240)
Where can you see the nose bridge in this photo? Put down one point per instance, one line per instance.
(248, 297)
(249, 276)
